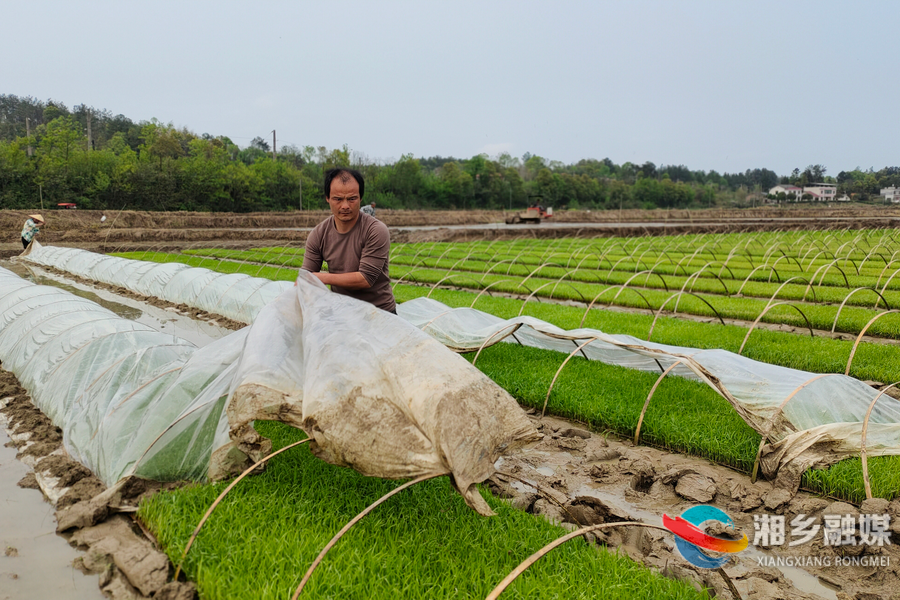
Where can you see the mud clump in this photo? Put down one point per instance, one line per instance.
(67, 471)
(29, 482)
(84, 489)
(130, 566)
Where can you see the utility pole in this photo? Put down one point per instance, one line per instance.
(273, 145)
(301, 192)
(89, 130)
(28, 133)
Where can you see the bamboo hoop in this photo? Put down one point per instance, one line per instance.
(861, 334)
(771, 424)
(559, 370)
(763, 313)
(485, 289)
(637, 431)
(847, 297)
(591, 305)
(523, 566)
(679, 294)
(210, 510)
(452, 275)
(862, 441)
(484, 344)
(353, 522)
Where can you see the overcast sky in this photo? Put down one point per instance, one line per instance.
(717, 84)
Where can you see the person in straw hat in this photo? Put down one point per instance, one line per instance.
(32, 228)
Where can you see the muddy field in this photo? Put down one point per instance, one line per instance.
(577, 477)
(139, 229)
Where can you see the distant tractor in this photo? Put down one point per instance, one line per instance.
(533, 214)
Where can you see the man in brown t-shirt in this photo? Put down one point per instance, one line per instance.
(354, 244)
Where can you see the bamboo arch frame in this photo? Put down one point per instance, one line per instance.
(612, 287)
(405, 275)
(485, 290)
(755, 269)
(530, 275)
(334, 540)
(637, 431)
(763, 313)
(818, 254)
(871, 252)
(847, 297)
(787, 281)
(587, 256)
(825, 272)
(884, 287)
(451, 276)
(497, 264)
(523, 566)
(221, 496)
(648, 273)
(513, 329)
(537, 289)
(862, 333)
(877, 283)
(863, 456)
(774, 264)
(696, 277)
(678, 295)
(559, 370)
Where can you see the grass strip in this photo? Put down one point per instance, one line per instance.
(424, 543)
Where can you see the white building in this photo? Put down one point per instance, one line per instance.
(821, 192)
(891, 194)
(786, 189)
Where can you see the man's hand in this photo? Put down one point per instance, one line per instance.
(350, 281)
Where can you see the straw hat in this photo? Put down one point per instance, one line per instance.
(36, 218)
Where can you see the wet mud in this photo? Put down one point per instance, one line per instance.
(579, 478)
(96, 520)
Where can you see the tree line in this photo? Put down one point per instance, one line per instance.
(99, 160)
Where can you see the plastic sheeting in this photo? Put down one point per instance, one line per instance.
(129, 399)
(235, 296)
(814, 418)
(374, 393)
(811, 418)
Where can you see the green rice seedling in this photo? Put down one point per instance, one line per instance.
(684, 416)
(423, 543)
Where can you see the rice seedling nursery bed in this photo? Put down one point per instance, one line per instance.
(738, 276)
(741, 275)
(426, 544)
(682, 415)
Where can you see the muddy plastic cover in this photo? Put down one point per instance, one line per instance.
(375, 393)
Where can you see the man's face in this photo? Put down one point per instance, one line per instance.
(344, 199)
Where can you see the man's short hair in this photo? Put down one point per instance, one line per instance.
(344, 175)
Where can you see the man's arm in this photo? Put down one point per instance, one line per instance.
(350, 281)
